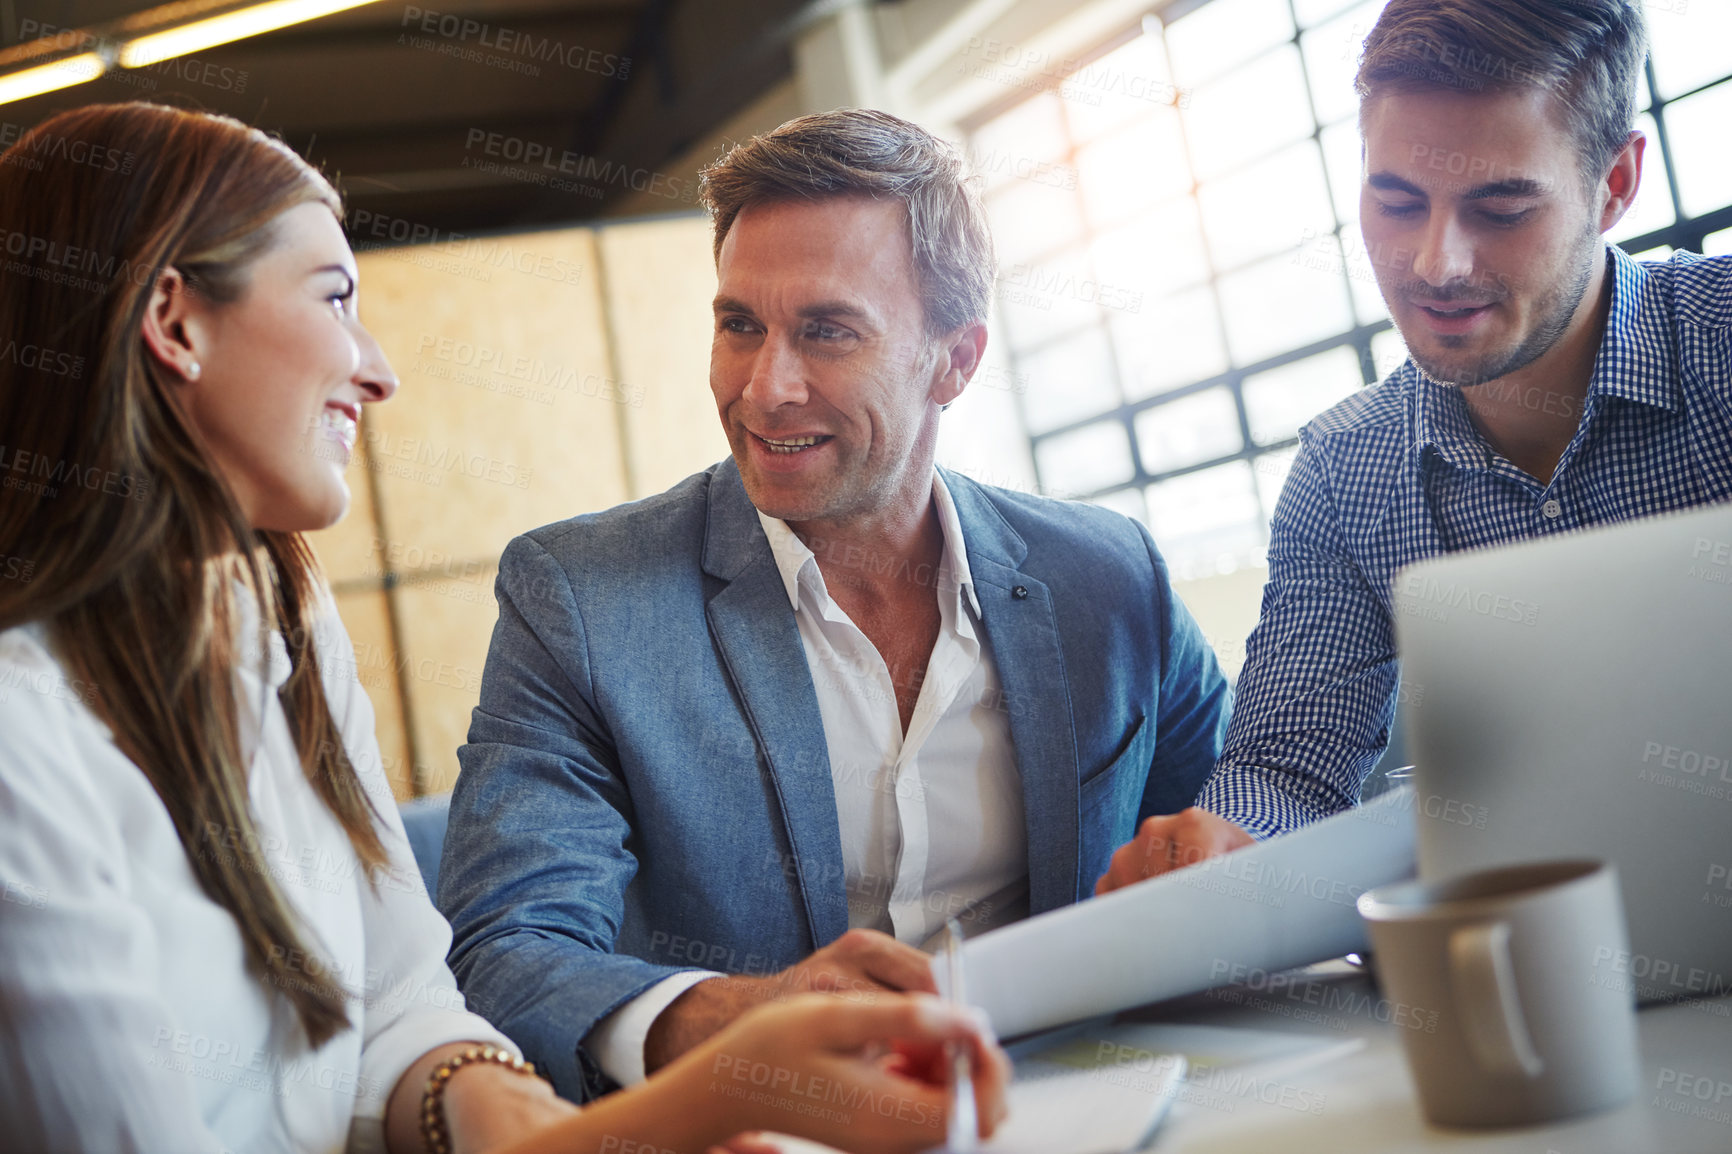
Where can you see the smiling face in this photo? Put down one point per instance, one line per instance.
(1483, 235)
(827, 383)
(283, 374)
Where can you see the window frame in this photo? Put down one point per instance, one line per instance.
(1683, 233)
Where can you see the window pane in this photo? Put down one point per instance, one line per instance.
(1134, 168)
(1343, 156)
(1025, 142)
(1208, 521)
(1332, 59)
(1699, 152)
(1388, 352)
(1091, 458)
(1174, 341)
(1269, 207)
(1313, 12)
(1029, 219)
(1215, 37)
(1368, 302)
(1280, 305)
(1126, 501)
(1653, 207)
(1189, 431)
(1068, 381)
(1279, 401)
(1159, 253)
(1319, 252)
(1046, 300)
(1658, 252)
(1717, 243)
(1688, 40)
(1125, 84)
(1247, 114)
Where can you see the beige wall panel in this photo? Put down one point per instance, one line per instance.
(508, 417)
(446, 628)
(346, 549)
(660, 281)
(1226, 607)
(366, 616)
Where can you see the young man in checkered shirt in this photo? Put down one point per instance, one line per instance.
(1552, 384)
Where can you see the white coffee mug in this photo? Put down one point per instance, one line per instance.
(1502, 962)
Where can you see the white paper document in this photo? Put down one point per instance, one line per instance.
(1087, 1092)
(1285, 902)
(1090, 1089)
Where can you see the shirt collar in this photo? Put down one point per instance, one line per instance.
(1635, 362)
(1441, 421)
(792, 556)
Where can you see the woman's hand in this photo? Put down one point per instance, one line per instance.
(487, 1107)
(866, 1076)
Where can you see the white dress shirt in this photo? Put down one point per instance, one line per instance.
(131, 1021)
(931, 820)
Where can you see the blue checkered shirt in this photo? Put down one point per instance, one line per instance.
(1397, 473)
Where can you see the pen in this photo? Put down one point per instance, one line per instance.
(964, 1123)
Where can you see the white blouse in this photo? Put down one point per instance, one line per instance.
(128, 1019)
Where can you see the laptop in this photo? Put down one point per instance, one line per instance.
(1571, 696)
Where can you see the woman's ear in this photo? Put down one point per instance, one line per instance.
(172, 329)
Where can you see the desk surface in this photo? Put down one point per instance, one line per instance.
(1362, 1099)
(1356, 1097)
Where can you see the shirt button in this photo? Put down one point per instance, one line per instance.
(1020, 592)
(1551, 509)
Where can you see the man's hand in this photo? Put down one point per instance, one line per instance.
(857, 967)
(1168, 843)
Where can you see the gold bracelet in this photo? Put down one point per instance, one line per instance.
(435, 1136)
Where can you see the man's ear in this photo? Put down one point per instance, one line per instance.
(173, 327)
(1623, 181)
(961, 352)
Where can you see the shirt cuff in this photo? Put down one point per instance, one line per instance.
(388, 1056)
(1256, 800)
(617, 1041)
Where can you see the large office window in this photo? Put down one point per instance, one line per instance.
(1182, 279)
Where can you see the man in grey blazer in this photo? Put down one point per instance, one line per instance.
(764, 732)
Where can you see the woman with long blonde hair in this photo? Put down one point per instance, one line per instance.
(212, 933)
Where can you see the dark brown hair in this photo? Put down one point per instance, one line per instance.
(140, 550)
(1587, 53)
(861, 152)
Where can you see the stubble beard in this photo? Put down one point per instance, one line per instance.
(1555, 310)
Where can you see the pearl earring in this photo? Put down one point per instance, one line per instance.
(192, 370)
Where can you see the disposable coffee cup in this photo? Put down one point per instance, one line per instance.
(1499, 967)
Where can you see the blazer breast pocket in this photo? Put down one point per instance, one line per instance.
(1111, 799)
(1126, 752)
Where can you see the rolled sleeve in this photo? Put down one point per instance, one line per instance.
(1316, 696)
(618, 1039)
(410, 1001)
(536, 858)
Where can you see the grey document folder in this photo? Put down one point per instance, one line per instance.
(1572, 697)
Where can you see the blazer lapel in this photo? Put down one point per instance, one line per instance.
(1024, 634)
(759, 643)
